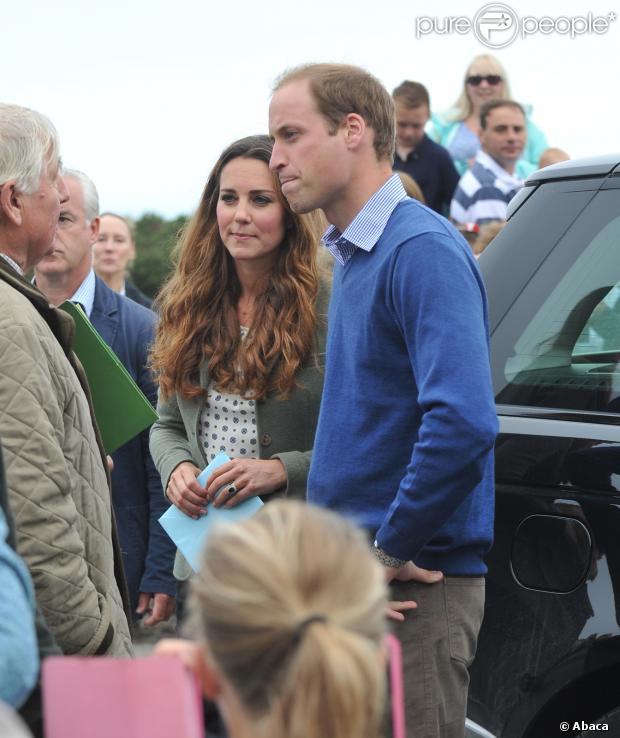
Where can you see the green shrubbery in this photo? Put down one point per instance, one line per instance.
(155, 239)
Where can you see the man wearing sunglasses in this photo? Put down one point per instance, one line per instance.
(484, 191)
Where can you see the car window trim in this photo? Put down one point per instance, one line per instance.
(553, 423)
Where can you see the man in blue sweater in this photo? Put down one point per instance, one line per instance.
(407, 423)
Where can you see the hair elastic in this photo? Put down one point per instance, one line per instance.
(303, 625)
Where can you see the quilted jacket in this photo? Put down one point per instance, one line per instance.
(56, 476)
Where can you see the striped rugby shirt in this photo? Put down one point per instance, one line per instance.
(483, 192)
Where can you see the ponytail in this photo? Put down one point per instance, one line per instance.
(292, 606)
(334, 687)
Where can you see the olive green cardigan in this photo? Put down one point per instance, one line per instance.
(285, 428)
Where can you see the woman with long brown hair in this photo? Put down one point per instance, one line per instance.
(240, 343)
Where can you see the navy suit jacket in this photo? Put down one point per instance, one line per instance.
(137, 295)
(148, 553)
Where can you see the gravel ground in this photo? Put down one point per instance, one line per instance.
(145, 638)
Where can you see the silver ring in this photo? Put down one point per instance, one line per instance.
(231, 491)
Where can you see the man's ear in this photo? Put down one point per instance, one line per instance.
(95, 224)
(354, 129)
(11, 203)
(483, 133)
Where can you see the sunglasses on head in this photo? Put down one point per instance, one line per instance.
(476, 79)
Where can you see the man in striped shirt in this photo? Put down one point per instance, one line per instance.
(484, 191)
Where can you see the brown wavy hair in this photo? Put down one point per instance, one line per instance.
(197, 306)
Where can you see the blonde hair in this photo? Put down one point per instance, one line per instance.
(412, 188)
(487, 233)
(552, 155)
(481, 64)
(291, 604)
(131, 226)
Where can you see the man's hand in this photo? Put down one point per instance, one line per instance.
(409, 572)
(406, 573)
(396, 608)
(157, 606)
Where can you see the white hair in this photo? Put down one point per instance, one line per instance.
(89, 191)
(28, 143)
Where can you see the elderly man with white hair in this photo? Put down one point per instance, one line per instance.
(56, 471)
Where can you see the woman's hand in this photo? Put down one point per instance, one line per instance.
(184, 491)
(188, 652)
(244, 478)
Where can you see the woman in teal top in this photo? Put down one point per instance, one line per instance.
(458, 129)
(19, 660)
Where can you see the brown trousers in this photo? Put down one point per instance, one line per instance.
(439, 643)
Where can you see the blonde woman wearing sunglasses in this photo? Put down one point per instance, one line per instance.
(458, 129)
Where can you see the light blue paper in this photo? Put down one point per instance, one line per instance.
(189, 535)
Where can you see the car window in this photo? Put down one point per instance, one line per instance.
(601, 333)
(559, 345)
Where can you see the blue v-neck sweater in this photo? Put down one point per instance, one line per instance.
(407, 423)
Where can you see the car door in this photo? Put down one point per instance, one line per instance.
(553, 589)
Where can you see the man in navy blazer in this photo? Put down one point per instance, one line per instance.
(128, 328)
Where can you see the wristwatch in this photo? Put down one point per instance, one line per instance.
(385, 558)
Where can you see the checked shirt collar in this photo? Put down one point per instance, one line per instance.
(366, 228)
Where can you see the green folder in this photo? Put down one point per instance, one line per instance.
(121, 408)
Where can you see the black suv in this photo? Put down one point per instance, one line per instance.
(548, 660)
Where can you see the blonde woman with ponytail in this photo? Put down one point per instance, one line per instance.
(288, 615)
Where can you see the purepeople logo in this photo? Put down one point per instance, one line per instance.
(497, 25)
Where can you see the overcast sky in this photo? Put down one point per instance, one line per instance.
(145, 93)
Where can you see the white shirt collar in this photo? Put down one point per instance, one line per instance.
(85, 293)
(488, 162)
(12, 263)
